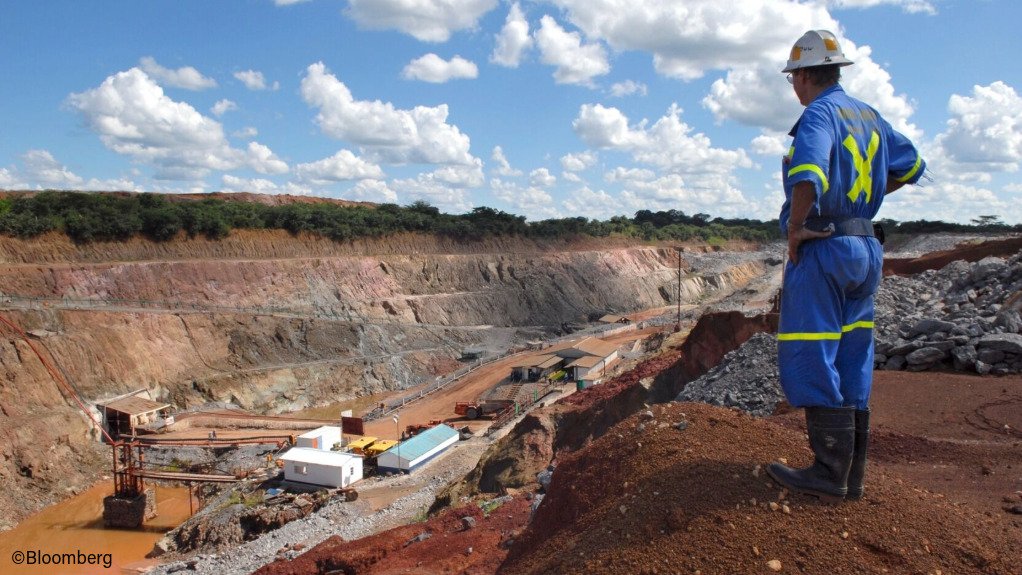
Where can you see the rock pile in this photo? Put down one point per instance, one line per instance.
(746, 379)
(964, 316)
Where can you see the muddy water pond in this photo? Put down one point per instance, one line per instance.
(75, 527)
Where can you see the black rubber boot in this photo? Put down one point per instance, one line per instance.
(832, 439)
(858, 470)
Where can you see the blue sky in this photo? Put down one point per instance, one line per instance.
(550, 108)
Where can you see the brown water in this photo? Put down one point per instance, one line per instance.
(76, 525)
(358, 406)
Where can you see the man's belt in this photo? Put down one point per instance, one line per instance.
(841, 226)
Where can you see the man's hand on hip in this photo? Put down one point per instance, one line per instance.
(797, 235)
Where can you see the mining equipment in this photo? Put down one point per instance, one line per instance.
(417, 428)
(476, 409)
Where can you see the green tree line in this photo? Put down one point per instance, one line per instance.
(92, 216)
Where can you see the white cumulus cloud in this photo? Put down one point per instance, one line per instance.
(434, 69)
(222, 107)
(344, 165)
(688, 38)
(435, 192)
(910, 6)
(386, 134)
(541, 178)
(692, 194)
(533, 201)
(576, 61)
(246, 133)
(513, 40)
(9, 180)
(503, 166)
(133, 117)
(622, 174)
(254, 80)
(263, 160)
(950, 202)
(375, 191)
(771, 144)
(669, 144)
(627, 88)
(426, 20)
(47, 172)
(186, 77)
(985, 129)
(591, 203)
(40, 170)
(234, 184)
(578, 162)
(460, 176)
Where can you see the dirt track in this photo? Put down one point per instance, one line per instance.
(440, 405)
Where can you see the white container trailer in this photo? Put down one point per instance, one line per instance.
(319, 467)
(320, 438)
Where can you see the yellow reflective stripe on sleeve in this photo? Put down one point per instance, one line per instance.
(817, 336)
(912, 172)
(814, 169)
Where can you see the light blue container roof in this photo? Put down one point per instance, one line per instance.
(424, 442)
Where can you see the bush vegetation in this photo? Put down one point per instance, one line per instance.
(90, 216)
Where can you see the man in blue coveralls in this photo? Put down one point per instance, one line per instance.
(844, 158)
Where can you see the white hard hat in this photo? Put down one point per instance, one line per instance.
(816, 48)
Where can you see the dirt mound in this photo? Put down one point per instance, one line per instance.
(937, 260)
(464, 540)
(678, 489)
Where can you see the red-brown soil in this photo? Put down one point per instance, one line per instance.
(944, 474)
(451, 547)
(648, 498)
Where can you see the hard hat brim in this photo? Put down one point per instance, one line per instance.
(839, 61)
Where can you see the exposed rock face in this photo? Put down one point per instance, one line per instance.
(273, 322)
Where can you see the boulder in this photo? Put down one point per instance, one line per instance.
(1010, 320)
(925, 356)
(964, 357)
(929, 326)
(1006, 342)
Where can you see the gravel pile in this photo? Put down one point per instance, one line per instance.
(964, 316)
(922, 244)
(746, 379)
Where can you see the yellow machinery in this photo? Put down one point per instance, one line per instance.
(359, 445)
(379, 446)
